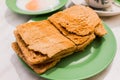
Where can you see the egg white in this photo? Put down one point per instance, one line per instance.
(21, 4)
(43, 4)
(48, 4)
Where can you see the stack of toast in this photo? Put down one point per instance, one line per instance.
(42, 44)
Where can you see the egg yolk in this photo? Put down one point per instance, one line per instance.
(33, 5)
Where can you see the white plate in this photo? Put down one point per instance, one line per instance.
(111, 11)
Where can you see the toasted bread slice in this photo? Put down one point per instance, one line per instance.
(42, 44)
(80, 20)
(31, 56)
(44, 37)
(57, 45)
(80, 41)
(38, 68)
(100, 30)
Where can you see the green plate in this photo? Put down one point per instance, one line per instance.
(12, 5)
(81, 65)
(117, 2)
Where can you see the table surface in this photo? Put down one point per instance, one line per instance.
(12, 69)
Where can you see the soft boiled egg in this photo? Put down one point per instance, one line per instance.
(36, 5)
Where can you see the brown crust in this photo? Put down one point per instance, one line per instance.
(63, 48)
(34, 58)
(77, 20)
(100, 30)
(42, 44)
(43, 37)
(38, 68)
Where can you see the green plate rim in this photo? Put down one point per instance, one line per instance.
(117, 1)
(111, 51)
(12, 6)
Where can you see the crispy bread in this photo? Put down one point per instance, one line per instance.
(78, 23)
(57, 45)
(44, 37)
(100, 30)
(38, 68)
(80, 41)
(42, 44)
(31, 56)
(80, 20)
